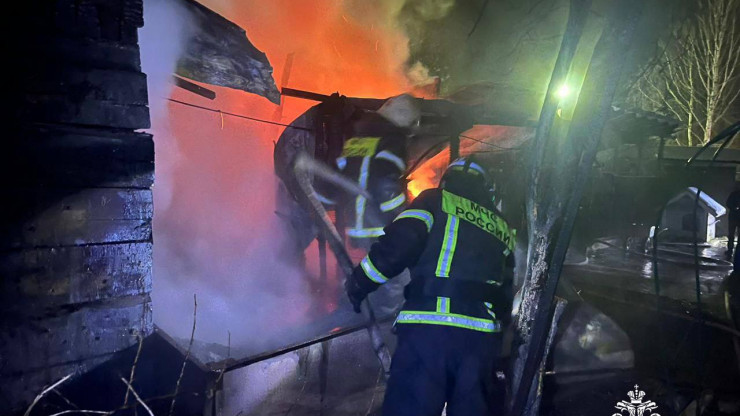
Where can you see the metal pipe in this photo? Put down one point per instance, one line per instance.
(294, 347)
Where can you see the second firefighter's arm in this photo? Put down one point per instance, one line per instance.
(399, 248)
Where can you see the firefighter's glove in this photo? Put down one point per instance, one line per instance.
(354, 291)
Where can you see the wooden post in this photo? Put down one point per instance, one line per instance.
(520, 383)
(535, 392)
(454, 148)
(558, 179)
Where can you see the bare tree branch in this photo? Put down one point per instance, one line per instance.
(187, 356)
(136, 396)
(133, 367)
(79, 411)
(695, 75)
(43, 393)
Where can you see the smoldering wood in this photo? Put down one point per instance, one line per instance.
(73, 157)
(85, 84)
(77, 342)
(55, 217)
(193, 87)
(101, 20)
(554, 195)
(219, 53)
(75, 282)
(66, 51)
(37, 282)
(100, 113)
(89, 331)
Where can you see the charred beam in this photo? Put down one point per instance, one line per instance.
(193, 87)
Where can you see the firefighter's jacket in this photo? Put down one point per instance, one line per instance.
(374, 155)
(456, 249)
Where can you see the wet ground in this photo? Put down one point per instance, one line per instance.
(600, 357)
(632, 273)
(681, 351)
(340, 377)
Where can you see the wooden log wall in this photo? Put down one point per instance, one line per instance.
(76, 176)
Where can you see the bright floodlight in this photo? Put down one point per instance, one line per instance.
(563, 91)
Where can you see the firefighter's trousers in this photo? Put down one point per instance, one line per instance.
(435, 364)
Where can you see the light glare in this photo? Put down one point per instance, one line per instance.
(563, 91)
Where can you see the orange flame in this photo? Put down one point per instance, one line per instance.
(429, 173)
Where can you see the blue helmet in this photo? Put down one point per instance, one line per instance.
(468, 173)
(469, 166)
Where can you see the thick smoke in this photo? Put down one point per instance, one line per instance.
(162, 40)
(215, 234)
(215, 231)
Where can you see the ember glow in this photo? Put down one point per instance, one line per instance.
(429, 173)
(349, 47)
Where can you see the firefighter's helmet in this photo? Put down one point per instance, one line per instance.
(471, 173)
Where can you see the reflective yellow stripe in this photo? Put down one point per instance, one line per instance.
(481, 217)
(360, 147)
(448, 319)
(418, 214)
(386, 155)
(372, 272)
(365, 232)
(443, 305)
(361, 201)
(489, 307)
(449, 244)
(445, 259)
(393, 203)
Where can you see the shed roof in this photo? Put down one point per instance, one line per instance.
(706, 202)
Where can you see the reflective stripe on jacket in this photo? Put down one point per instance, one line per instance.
(443, 235)
(376, 163)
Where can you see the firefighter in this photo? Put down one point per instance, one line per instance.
(459, 252)
(374, 154)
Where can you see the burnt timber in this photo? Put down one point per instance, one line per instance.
(76, 251)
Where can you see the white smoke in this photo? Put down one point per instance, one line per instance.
(162, 39)
(215, 234)
(167, 28)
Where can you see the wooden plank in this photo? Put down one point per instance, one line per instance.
(109, 19)
(28, 346)
(80, 157)
(36, 281)
(80, 84)
(92, 112)
(94, 19)
(48, 217)
(88, 53)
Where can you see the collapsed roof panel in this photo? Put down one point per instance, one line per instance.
(219, 53)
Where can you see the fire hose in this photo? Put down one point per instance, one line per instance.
(303, 164)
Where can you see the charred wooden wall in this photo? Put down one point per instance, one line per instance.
(76, 176)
